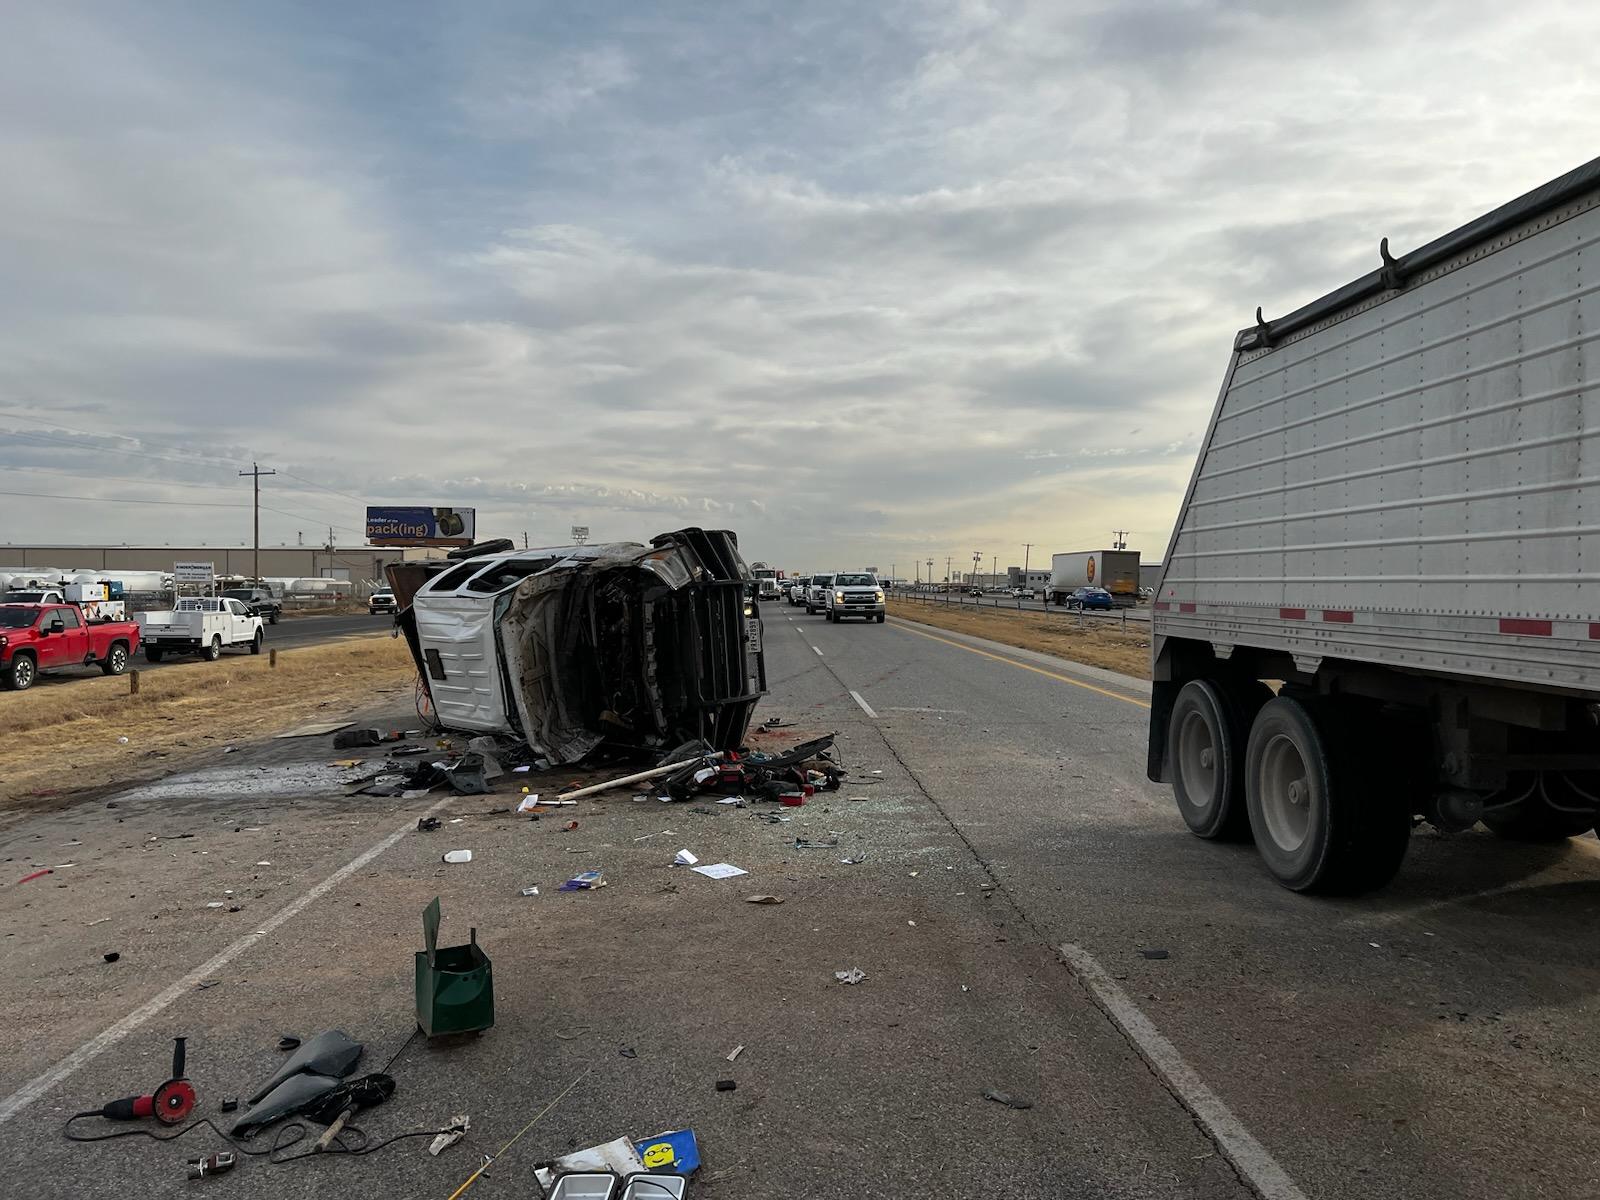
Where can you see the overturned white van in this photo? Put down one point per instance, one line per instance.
(575, 647)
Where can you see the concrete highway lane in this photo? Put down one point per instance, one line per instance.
(1433, 1040)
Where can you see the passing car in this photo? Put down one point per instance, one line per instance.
(796, 591)
(817, 593)
(203, 625)
(43, 637)
(855, 595)
(382, 601)
(259, 600)
(1090, 598)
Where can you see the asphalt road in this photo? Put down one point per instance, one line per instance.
(1432, 1041)
(286, 634)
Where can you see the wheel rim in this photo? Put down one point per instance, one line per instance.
(119, 658)
(1285, 794)
(22, 671)
(1197, 759)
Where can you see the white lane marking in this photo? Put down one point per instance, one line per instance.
(865, 707)
(109, 1037)
(1249, 1157)
(818, 649)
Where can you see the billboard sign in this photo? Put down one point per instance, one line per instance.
(408, 525)
(193, 572)
(580, 534)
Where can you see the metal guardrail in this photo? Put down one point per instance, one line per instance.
(961, 600)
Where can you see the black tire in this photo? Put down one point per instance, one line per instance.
(833, 618)
(1321, 823)
(153, 654)
(116, 660)
(810, 612)
(1552, 807)
(1206, 744)
(272, 618)
(22, 674)
(881, 618)
(214, 651)
(255, 642)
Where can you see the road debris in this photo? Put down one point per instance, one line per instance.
(288, 1042)
(851, 862)
(530, 891)
(1154, 954)
(1006, 1098)
(684, 858)
(816, 843)
(355, 739)
(111, 956)
(586, 881)
(453, 1132)
(852, 976)
(457, 856)
(428, 824)
(763, 899)
(719, 871)
(529, 802)
(454, 984)
(727, 1085)
(735, 1052)
(45, 871)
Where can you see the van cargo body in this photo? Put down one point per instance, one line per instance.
(1115, 570)
(1390, 514)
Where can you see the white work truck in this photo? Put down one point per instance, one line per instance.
(1381, 601)
(203, 625)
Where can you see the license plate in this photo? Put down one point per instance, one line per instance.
(752, 633)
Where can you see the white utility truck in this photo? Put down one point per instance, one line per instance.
(203, 625)
(1381, 600)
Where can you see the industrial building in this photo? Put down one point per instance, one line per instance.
(359, 565)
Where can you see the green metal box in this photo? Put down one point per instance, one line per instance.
(455, 984)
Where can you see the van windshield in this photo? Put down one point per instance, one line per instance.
(854, 581)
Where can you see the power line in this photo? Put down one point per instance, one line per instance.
(121, 500)
(139, 454)
(321, 487)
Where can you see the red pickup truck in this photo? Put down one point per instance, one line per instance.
(38, 637)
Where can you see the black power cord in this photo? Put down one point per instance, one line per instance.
(281, 1140)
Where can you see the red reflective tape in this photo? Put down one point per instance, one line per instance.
(1292, 614)
(1163, 606)
(1525, 626)
(1342, 615)
(1594, 631)
(1186, 607)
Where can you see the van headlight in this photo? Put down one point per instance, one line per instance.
(879, 595)
(839, 596)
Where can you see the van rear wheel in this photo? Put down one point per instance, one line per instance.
(255, 642)
(214, 650)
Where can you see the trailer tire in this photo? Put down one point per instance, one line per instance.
(116, 661)
(214, 650)
(1543, 816)
(255, 642)
(22, 673)
(152, 654)
(272, 618)
(1206, 743)
(1320, 824)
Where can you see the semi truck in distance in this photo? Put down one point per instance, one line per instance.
(1381, 600)
(1117, 571)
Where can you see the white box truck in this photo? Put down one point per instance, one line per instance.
(1381, 600)
(1115, 570)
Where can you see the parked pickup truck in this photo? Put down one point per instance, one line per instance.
(1381, 600)
(201, 625)
(259, 600)
(42, 637)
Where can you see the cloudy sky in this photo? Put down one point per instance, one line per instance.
(868, 283)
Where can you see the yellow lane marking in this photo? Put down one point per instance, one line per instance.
(1011, 662)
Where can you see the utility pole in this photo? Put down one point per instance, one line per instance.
(977, 565)
(524, 539)
(947, 568)
(1117, 536)
(255, 472)
(1027, 550)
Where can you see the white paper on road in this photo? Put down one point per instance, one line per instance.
(719, 871)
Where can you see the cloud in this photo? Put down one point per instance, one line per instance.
(865, 284)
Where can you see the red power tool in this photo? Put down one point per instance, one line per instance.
(171, 1103)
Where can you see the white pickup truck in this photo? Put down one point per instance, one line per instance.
(201, 625)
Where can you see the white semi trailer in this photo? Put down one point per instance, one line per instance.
(1117, 571)
(1381, 600)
